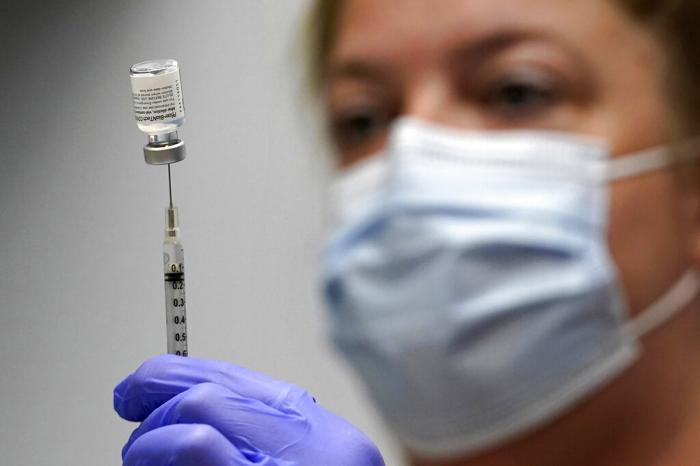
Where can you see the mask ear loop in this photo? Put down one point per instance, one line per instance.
(650, 160)
(637, 164)
(687, 287)
(666, 307)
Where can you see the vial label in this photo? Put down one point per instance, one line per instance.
(158, 105)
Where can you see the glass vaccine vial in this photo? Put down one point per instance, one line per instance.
(159, 109)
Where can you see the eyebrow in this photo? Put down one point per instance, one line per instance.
(357, 69)
(490, 45)
(472, 53)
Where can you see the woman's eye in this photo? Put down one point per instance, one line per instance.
(353, 129)
(521, 97)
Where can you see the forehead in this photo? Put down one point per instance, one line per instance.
(388, 29)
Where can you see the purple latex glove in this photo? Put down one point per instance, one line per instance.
(210, 413)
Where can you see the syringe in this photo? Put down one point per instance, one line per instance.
(174, 275)
(159, 111)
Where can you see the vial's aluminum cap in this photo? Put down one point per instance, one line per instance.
(162, 154)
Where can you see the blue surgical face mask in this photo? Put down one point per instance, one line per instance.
(469, 281)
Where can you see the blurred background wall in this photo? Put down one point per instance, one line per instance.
(81, 214)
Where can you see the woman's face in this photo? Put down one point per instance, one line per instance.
(579, 66)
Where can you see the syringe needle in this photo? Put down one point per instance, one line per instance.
(170, 187)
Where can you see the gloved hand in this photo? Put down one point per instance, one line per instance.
(197, 412)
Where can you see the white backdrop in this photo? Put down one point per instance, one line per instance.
(81, 214)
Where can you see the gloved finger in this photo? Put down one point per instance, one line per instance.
(162, 377)
(187, 445)
(248, 424)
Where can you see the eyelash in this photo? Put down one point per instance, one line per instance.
(354, 128)
(519, 97)
(512, 99)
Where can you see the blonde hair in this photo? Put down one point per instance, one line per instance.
(676, 23)
(322, 29)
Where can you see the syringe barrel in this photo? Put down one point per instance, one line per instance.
(174, 277)
(175, 300)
